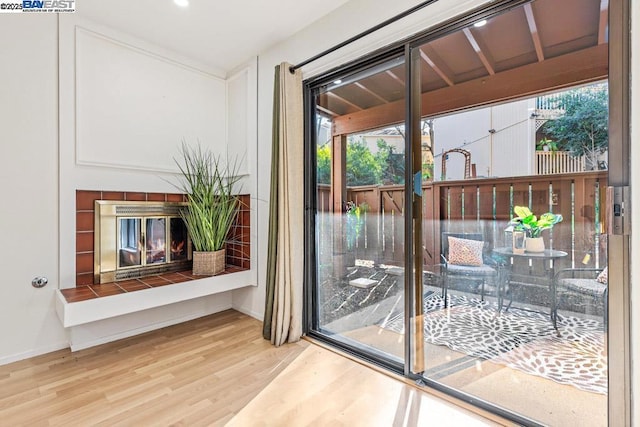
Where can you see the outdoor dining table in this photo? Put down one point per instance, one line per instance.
(548, 258)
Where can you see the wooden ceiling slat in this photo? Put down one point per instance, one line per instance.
(533, 29)
(327, 111)
(371, 92)
(346, 101)
(395, 77)
(481, 50)
(584, 66)
(604, 21)
(433, 60)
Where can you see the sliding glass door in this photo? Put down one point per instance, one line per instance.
(359, 220)
(514, 325)
(459, 211)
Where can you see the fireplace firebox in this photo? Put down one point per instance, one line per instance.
(135, 239)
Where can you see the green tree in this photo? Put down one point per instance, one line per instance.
(323, 159)
(583, 129)
(392, 164)
(362, 167)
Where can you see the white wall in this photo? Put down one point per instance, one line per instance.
(125, 107)
(77, 99)
(29, 176)
(117, 98)
(493, 154)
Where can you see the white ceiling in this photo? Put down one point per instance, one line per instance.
(220, 33)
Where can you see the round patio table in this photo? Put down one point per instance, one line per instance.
(549, 255)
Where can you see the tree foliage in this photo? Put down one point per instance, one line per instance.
(324, 164)
(583, 128)
(392, 164)
(362, 166)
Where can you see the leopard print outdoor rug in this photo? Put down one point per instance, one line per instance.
(519, 339)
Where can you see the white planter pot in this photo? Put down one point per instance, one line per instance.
(534, 244)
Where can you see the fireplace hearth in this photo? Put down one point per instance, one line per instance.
(139, 238)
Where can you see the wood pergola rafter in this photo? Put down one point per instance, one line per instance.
(583, 66)
(533, 29)
(371, 92)
(326, 111)
(346, 101)
(432, 59)
(395, 77)
(481, 50)
(604, 22)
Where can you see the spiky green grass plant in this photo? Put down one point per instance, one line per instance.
(208, 181)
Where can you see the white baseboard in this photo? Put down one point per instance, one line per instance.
(33, 353)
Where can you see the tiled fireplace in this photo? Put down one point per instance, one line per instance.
(88, 279)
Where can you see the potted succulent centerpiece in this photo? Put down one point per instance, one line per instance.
(212, 204)
(533, 226)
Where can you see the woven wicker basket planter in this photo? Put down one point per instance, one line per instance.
(208, 263)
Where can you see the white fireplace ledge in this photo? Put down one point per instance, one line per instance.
(82, 312)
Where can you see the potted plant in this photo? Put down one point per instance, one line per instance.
(212, 205)
(546, 144)
(355, 222)
(533, 226)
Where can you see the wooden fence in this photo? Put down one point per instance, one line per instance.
(477, 205)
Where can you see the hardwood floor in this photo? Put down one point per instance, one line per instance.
(206, 371)
(197, 373)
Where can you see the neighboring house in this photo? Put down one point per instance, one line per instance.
(500, 139)
(497, 135)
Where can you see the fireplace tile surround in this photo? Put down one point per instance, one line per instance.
(238, 247)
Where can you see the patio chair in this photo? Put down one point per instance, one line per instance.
(464, 256)
(586, 287)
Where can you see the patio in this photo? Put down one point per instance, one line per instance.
(469, 346)
(470, 341)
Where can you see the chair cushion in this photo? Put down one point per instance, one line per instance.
(468, 270)
(465, 251)
(603, 277)
(584, 286)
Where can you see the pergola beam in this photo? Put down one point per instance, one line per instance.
(604, 21)
(533, 29)
(584, 66)
(433, 60)
(395, 77)
(346, 101)
(481, 50)
(327, 111)
(372, 93)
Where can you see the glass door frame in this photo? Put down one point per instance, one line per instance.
(619, 393)
(311, 322)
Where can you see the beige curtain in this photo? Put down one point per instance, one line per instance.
(283, 307)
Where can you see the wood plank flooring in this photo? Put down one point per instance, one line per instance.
(212, 371)
(322, 388)
(197, 373)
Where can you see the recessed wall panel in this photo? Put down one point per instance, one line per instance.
(133, 108)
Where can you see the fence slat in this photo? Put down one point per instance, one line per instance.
(553, 162)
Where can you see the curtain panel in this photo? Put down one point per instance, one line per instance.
(285, 259)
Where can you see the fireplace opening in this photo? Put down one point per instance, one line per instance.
(136, 239)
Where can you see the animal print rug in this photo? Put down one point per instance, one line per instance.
(520, 339)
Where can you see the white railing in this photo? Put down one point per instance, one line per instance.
(551, 162)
